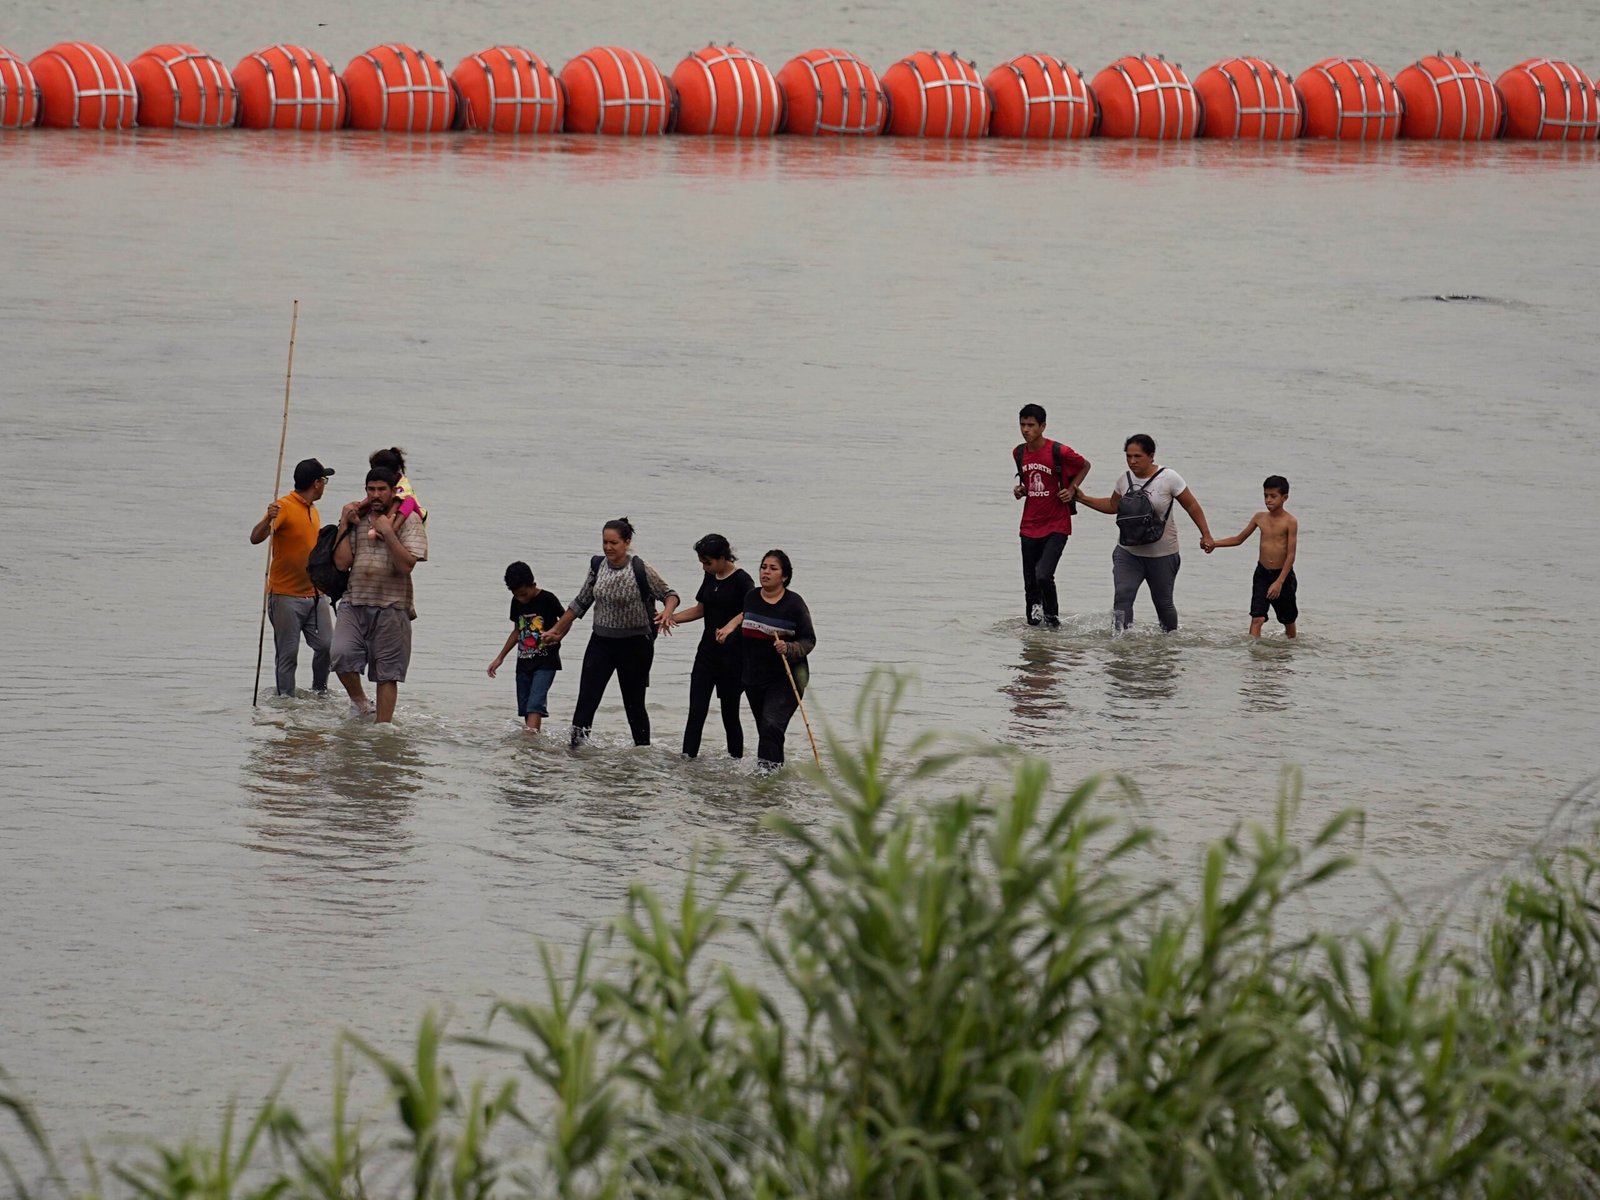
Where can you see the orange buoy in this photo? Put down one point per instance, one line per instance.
(1039, 96)
(1549, 100)
(506, 89)
(934, 94)
(82, 86)
(1349, 99)
(289, 87)
(19, 94)
(1448, 97)
(1144, 97)
(832, 92)
(726, 91)
(398, 88)
(612, 90)
(1248, 98)
(181, 87)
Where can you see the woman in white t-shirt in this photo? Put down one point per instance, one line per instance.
(1145, 555)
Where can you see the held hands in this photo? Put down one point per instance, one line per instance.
(1208, 544)
(1067, 493)
(665, 622)
(722, 635)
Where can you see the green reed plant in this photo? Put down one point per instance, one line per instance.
(991, 993)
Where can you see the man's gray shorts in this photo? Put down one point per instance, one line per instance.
(377, 640)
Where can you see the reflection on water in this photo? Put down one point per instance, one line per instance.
(334, 798)
(1267, 676)
(1039, 687)
(1142, 669)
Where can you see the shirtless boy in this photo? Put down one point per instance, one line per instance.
(1274, 582)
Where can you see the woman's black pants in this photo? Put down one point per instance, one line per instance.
(772, 705)
(716, 669)
(629, 659)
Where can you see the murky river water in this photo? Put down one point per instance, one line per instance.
(821, 347)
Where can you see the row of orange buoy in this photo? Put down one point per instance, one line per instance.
(727, 91)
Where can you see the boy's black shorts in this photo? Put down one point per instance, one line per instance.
(1286, 608)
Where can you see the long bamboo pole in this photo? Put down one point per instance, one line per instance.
(277, 485)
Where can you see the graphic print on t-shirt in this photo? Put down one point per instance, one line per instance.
(530, 635)
(767, 628)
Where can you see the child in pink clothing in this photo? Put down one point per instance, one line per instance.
(394, 459)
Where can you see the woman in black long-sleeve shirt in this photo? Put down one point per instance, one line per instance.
(775, 622)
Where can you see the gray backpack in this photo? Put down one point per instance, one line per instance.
(1137, 523)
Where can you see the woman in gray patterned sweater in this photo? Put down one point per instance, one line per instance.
(622, 590)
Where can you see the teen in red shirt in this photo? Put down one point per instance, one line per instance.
(1048, 475)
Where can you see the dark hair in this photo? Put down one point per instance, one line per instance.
(1277, 483)
(393, 458)
(784, 564)
(622, 525)
(518, 575)
(1142, 440)
(714, 545)
(1032, 412)
(383, 475)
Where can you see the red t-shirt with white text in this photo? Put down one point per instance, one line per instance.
(1043, 513)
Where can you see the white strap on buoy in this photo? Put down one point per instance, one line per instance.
(961, 81)
(1282, 106)
(1572, 126)
(1454, 74)
(516, 58)
(1157, 85)
(627, 101)
(740, 62)
(1387, 108)
(11, 82)
(212, 82)
(300, 66)
(1054, 72)
(840, 61)
(431, 84)
(123, 90)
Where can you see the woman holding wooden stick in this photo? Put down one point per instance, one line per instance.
(776, 626)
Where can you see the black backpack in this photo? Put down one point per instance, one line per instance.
(640, 578)
(1016, 455)
(1137, 523)
(325, 577)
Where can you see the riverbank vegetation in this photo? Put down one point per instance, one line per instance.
(977, 995)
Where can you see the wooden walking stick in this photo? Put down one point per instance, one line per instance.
(277, 482)
(787, 670)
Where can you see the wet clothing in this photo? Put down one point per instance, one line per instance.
(294, 617)
(532, 618)
(294, 533)
(1128, 571)
(766, 683)
(1043, 513)
(533, 691)
(1286, 606)
(1039, 559)
(1163, 490)
(622, 644)
(718, 667)
(374, 639)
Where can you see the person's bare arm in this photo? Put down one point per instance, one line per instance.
(1105, 504)
(726, 631)
(399, 553)
(263, 527)
(1069, 493)
(1238, 539)
(1291, 544)
(1198, 516)
(511, 641)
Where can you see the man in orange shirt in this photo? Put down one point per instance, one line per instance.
(293, 604)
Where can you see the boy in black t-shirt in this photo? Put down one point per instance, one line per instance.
(533, 610)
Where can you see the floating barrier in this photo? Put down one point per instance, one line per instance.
(1248, 98)
(615, 91)
(1144, 97)
(82, 86)
(182, 87)
(19, 93)
(1448, 97)
(1039, 96)
(506, 89)
(289, 87)
(934, 94)
(832, 92)
(1349, 99)
(400, 89)
(723, 90)
(1550, 101)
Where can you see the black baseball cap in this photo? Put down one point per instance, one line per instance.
(307, 471)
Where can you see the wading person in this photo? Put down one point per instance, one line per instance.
(719, 660)
(623, 591)
(374, 630)
(776, 625)
(1048, 476)
(1147, 551)
(293, 605)
(533, 611)
(1274, 582)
